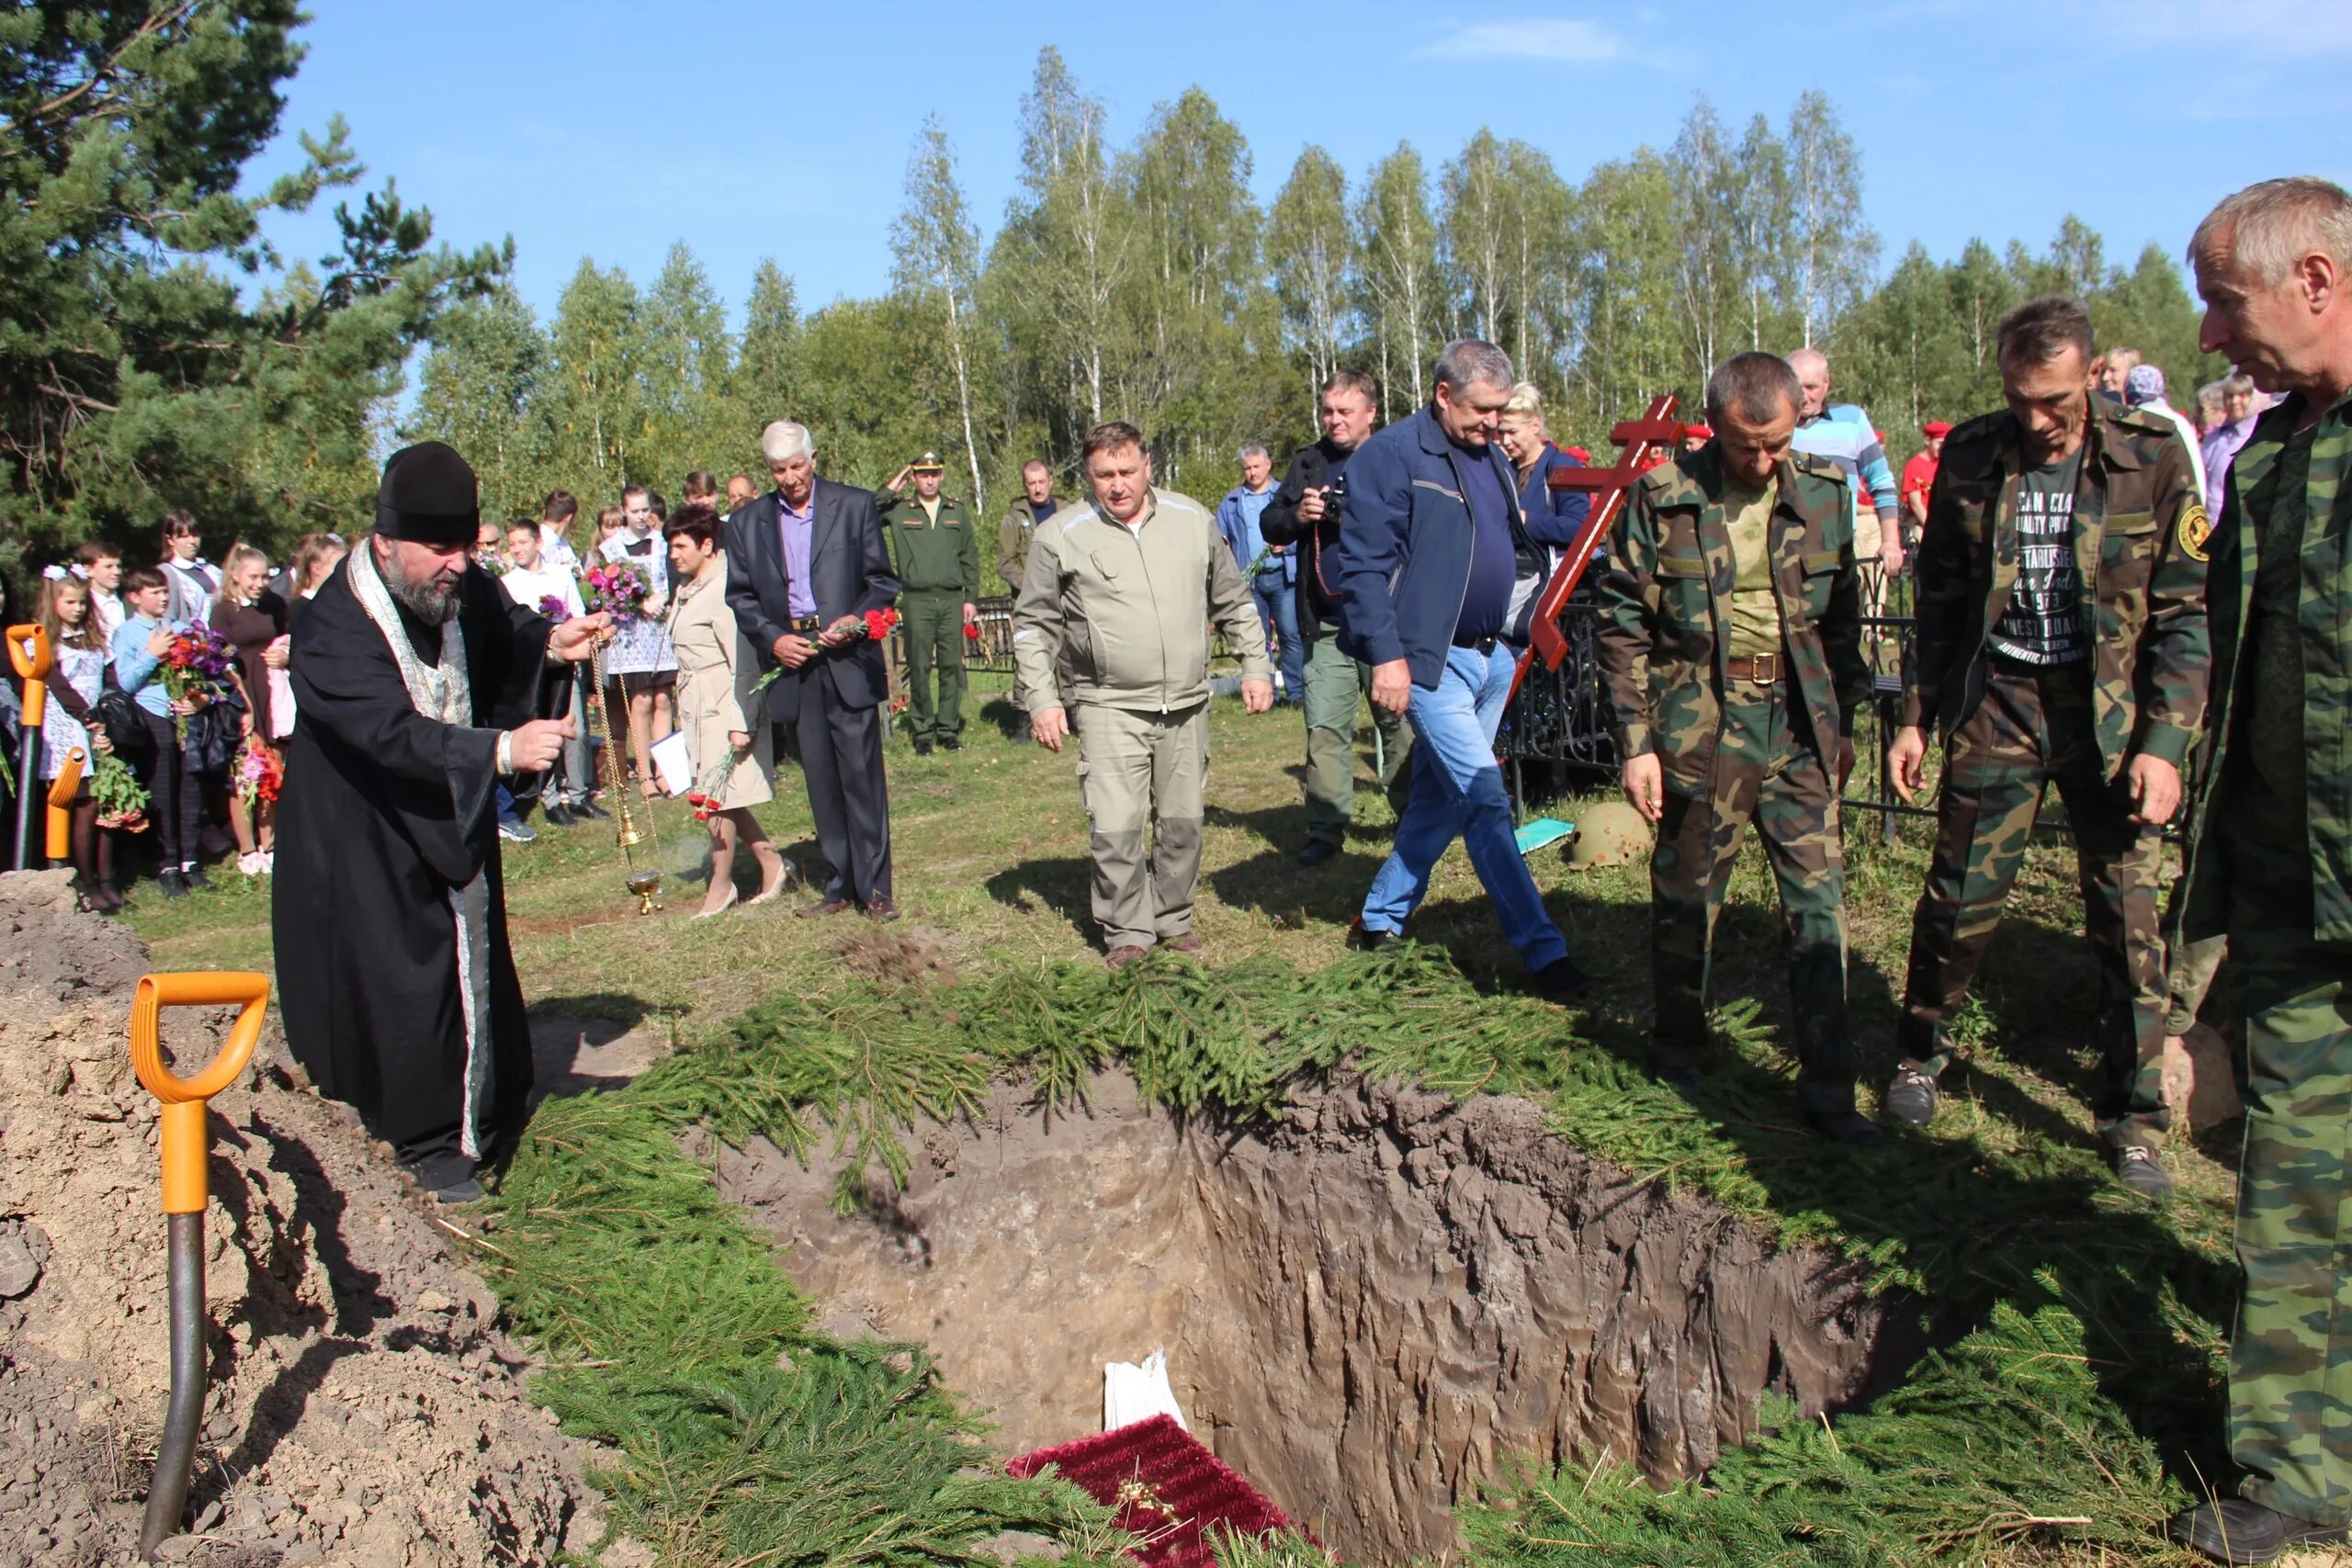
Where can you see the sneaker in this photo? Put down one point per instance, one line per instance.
(516, 831)
(1317, 851)
(1560, 978)
(2142, 1171)
(2232, 1529)
(1911, 1097)
(1364, 939)
(458, 1193)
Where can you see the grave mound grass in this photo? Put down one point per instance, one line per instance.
(2073, 1402)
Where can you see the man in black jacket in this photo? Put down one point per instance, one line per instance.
(805, 563)
(1306, 512)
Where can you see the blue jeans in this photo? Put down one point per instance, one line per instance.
(1278, 610)
(1458, 791)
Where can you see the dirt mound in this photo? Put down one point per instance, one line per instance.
(362, 1409)
(1368, 1307)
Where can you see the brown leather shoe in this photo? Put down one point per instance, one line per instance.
(823, 906)
(880, 909)
(1189, 941)
(1119, 957)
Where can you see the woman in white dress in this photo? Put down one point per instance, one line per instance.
(73, 686)
(641, 648)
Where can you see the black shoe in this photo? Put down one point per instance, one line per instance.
(1363, 939)
(195, 878)
(922, 748)
(171, 884)
(458, 1193)
(557, 815)
(1560, 978)
(1317, 851)
(588, 811)
(1911, 1097)
(2231, 1529)
(2141, 1172)
(1846, 1126)
(951, 743)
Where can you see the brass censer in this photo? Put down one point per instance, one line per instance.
(632, 824)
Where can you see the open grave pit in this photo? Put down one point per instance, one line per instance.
(1369, 1305)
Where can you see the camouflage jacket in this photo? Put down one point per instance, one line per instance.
(2324, 611)
(2140, 531)
(1666, 609)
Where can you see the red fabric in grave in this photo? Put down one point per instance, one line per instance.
(1197, 1492)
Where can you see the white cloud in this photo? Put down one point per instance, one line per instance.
(1537, 37)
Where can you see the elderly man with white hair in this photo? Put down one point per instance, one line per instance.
(1843, 433)
(806, 564)
(2269, 855)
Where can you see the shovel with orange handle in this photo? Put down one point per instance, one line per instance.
(186, 1161)
(62, 791)
(30, 656)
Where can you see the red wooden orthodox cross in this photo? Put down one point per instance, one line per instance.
(1640, 438)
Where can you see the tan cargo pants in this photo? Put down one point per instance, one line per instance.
(1137, 771)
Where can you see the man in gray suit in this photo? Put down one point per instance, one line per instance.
(805, 562)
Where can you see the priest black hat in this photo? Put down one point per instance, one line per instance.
(428, 494)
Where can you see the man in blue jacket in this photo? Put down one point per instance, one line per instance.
(1274, 582)
(1438, 580)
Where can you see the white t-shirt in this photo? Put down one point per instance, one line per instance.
(545, 581)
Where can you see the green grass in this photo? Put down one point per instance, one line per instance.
(2080, 1381)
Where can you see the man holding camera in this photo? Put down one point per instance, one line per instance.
(1305, 515)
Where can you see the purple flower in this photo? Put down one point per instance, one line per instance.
(554, 609)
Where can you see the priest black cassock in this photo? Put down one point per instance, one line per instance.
(415, 677)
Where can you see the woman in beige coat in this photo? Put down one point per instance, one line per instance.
(726, 724)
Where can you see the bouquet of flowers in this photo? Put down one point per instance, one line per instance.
(115, 788)
(874, 626)
(615, 587)
(197, 664)
(554, 609)
(259, 772)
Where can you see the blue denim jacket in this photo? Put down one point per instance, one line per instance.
(1404, 557)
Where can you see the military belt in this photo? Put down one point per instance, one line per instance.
(1763, 669)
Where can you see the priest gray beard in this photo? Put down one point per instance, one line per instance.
(433, 599)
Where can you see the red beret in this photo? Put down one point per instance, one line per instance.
(1579, 453)
(1705, 432)
(1936, 427)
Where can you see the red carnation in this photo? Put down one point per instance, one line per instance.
(972, 630)
(879, 622)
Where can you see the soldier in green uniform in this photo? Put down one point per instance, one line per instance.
(934, 545)
(1730, 648)
(2269, 855)
(2060, 639)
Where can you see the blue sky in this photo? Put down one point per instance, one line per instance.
(781, 130)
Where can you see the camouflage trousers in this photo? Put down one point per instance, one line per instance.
(2032, 730)
(2290, 1352)
(1767, 773)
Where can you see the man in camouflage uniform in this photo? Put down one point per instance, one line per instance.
(935, 547)
(1730, 646)
(2061, 638)
(2270, 858)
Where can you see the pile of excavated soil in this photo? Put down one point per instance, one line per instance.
(1369, 1306)
(363, 1409)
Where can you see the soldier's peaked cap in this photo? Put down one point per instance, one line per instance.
(429, 494)
(928, 463)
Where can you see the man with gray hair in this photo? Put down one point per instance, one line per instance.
(1843, 433)
(1270, 570)
(1731, 651)
(2268, 856)
(806, 564)
(1438, 580)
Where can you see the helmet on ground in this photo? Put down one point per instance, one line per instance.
(1612, 833)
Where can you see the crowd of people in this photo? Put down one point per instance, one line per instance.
(2144, 607)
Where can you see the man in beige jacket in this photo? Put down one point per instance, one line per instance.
(1121, 595)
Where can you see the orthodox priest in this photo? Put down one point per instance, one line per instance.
(416, 678)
